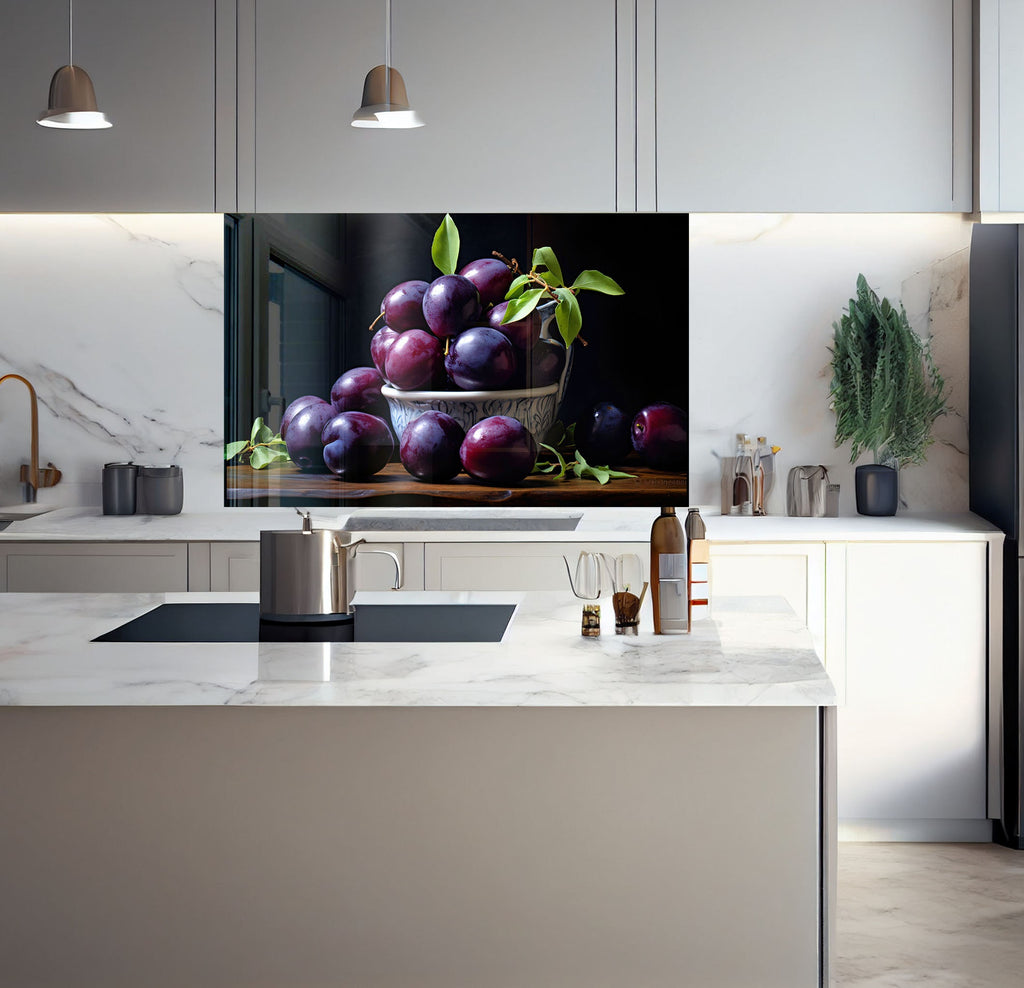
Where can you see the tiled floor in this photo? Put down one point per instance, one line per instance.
(941, 915)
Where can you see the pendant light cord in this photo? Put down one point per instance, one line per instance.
(387, 52)
(71, 32)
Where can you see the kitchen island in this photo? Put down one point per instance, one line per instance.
(543, 810)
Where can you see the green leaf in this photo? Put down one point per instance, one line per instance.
(568, 315)
(263, 456)
(517, 285)
(545, 256)
(260, 457)
(233, 449)
(595, 281)
(558, 456)
(523, 305)
(620, 475)
(445, 249)
(254, 436)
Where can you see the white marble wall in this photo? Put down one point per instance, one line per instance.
(764, 292)
(118, 322)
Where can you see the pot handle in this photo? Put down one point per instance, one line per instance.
(387, 552)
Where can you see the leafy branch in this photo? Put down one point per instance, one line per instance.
(544, 282)
(578, 465)
(261, 448)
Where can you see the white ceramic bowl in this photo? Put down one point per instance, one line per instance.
(536, 408)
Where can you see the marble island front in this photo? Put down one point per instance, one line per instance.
(546, 809)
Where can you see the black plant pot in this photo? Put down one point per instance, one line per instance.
(878, 489)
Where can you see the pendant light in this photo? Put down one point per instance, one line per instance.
(385, 103)
(72, 104)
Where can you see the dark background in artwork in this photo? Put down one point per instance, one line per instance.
(636, 343)
(303, 289)
(340, 266)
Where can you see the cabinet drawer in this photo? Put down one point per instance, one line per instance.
(513, 565)
(96, 568)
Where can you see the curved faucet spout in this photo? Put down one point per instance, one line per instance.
(30, 477)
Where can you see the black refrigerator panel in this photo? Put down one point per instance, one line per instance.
(1007, 829)
(995, 406)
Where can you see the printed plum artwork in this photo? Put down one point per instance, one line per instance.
(482, 359)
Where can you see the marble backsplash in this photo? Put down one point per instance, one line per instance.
(118, 322)
(764, 292)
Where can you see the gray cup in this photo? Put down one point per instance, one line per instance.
(119, 480)
(159, 491)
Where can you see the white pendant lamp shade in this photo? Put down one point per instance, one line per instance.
(72, 103)
(385, 103)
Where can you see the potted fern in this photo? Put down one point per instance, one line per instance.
(886, 393)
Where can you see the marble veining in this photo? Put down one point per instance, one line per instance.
(119, 325)
(764, 292)
(745, 655)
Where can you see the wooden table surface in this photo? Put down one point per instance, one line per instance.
(287, 485)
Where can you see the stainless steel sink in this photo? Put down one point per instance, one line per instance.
(240, 622)
(463, 520)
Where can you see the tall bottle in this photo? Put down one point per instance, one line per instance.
(668, 573)
(743, 477)
(764, 474)
(698, 559)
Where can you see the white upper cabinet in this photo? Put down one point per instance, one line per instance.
(152, 66)
(804, 106)
(518, 100)
(1000, 106)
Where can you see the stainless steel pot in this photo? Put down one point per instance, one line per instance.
(307, 573)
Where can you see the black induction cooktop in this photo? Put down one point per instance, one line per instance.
(240, 622)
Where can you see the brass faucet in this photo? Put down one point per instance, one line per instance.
(30, 476)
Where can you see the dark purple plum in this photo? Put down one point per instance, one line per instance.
(380, 343)
(358, 390)
(415, 361)
(603, 434)
(660, 436)
(293, 408)
(450, 305)
(491, 277)
(403, 306)
(356, 445)
(522, 333)
(430, 447)
(480, 359)
(498, 450)
(305, 448)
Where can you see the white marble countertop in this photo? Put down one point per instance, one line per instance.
(529, 525)
(752, 651)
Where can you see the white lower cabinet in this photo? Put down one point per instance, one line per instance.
(94, 567)
(794, 571)
(513, 565)
(912, 750)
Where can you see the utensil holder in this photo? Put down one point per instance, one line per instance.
(159, 490)
(119, 484)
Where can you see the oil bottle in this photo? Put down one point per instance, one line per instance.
(668, 574)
